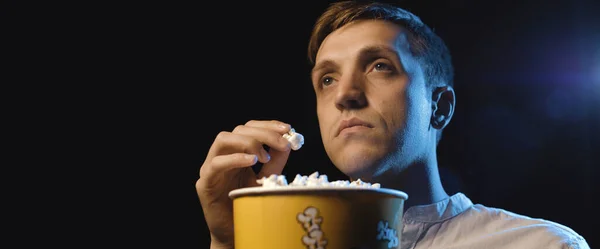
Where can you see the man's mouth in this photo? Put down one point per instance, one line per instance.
(352, 124)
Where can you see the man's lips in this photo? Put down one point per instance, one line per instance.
(348, 123)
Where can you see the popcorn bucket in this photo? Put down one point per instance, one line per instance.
(317, 217)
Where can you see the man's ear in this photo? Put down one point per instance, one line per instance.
(442, 106)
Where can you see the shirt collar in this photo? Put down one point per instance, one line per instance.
(438, 211)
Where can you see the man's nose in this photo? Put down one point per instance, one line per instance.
(351, 92)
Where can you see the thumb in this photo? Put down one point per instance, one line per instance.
(276, 164)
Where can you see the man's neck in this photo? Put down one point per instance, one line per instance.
(421, 181)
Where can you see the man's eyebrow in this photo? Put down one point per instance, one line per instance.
(363, 52)
(323, 64)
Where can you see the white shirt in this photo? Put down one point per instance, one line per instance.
(456, 223)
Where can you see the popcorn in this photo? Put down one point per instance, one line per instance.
(273, 181)
(296, 139)
(313, 180)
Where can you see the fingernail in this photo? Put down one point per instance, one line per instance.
(266, 156)
(287, 143)
(254, 158)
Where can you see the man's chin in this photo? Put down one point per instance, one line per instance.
(357, 169)
(358, 160)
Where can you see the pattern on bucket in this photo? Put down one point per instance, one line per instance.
(311, 223)
(386, 233)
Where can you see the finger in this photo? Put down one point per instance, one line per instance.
(227, 162)
(232, 161)
(267, 136)
(276, 165)
(275, 125)
(229, 143)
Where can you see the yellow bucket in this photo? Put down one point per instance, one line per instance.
(317, 217)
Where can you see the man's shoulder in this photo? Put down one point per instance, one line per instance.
(537, 231)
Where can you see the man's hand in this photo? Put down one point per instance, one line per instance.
(228, 166)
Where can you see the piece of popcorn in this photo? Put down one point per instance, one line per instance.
(296, 139)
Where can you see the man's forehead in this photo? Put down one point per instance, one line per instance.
(361, 36)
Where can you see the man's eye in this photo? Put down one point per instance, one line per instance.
(326, 81)
(383, 67)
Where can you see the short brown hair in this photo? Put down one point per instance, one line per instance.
(428, 48)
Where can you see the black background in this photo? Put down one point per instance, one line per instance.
(140, 90)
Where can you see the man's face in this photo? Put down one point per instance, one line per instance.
(372, 103)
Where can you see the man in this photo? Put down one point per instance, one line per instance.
(383, 85)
